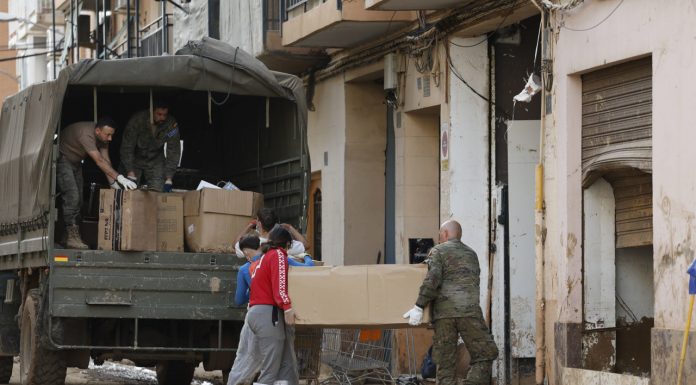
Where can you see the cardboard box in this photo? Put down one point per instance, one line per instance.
(356, 296)
(127, 220)
(214, 218)
(170, 222)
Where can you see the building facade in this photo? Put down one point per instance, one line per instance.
(576, 197)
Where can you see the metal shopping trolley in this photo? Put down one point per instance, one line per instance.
(358, 356)
(308, 353)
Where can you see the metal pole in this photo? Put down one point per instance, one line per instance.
(96, 5)
(104, 40)
(165, 35)
(137, 28)
(76, 38)
(53, 53)
(68, 21)
(128, 29)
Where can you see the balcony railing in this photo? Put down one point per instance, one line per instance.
(292, 4)
(154, 37)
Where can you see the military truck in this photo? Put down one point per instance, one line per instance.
(239, 121)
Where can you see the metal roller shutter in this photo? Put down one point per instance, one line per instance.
(617, 119)
(633, 195)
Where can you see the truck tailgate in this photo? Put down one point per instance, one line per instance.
(144, 285)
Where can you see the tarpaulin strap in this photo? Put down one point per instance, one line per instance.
(95, 104)
(210, 108)
(152, 118)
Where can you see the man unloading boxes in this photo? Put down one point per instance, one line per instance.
(142, 149)
(452, 288)
(77, 141)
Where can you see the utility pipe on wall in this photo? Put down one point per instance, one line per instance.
(540, 337)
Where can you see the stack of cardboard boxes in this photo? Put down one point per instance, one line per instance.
(207, 220)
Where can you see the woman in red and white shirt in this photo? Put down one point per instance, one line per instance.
(271, 317)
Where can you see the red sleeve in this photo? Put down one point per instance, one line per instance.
(279, 278)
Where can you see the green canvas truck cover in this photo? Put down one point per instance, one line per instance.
(29, 119)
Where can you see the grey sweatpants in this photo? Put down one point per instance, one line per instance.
(276, 345)
(248, 360)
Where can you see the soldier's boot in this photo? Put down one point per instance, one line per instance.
(73, 239)
(479, 373)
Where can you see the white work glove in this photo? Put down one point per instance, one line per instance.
(290, 317)
(115, 186)
(126, 183)
(415, 316)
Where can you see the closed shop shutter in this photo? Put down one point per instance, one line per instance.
(617, 119)
(633, 196)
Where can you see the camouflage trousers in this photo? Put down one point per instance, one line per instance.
(479, 342)
(69, 182)
(150, 173)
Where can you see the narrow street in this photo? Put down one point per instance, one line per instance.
(121, 374)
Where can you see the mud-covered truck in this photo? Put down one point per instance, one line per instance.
(239, 122)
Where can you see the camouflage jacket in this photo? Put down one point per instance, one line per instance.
(452, 283)
(140, 146)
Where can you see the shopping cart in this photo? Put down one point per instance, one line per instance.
(363, 356)
(308, 353)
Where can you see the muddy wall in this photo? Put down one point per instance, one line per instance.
(584, 42)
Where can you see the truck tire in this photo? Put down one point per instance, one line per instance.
(6, 364)
(175, 372)
(38, 366)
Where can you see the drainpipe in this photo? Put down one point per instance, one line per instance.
(539, 239)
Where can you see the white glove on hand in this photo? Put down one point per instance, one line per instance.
(126, 183)
(290, 317)
(115, 186)
(415, 316)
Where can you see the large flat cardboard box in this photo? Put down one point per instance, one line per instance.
(214, 218)
(127, 220)
(356, 296)
(170, 222)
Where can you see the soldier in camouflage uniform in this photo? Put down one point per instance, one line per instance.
(452, 289)
(77, 142)
(142, 149)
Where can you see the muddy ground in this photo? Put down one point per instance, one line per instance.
(122, 373)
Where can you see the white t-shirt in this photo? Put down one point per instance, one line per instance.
(296, 248)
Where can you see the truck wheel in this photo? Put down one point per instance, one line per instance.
(6, 364)
(38, 366)
(175, 372)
